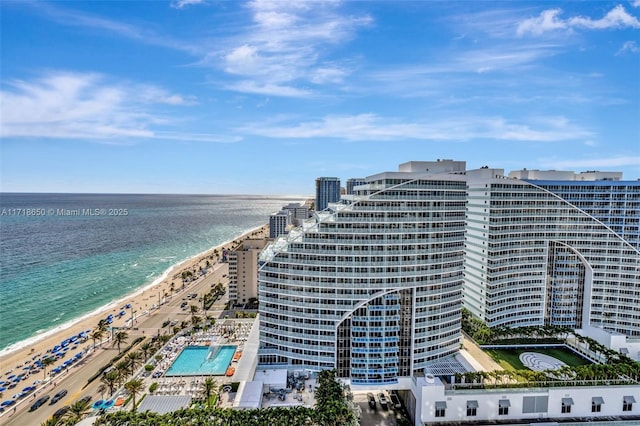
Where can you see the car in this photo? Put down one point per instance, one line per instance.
(395, 400)
(383, 400)
(60, 412)
(372, 400)
(85, 399)
(39, 403)
(57, 397)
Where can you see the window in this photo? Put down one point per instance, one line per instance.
(566, 405)
(596, 404)
(441, 407)
(472, 408)
(627, 403)
(503, 407)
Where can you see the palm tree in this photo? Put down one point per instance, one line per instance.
(122, 368)
(45, 363)
(207, 387)
(195, 320)
(77, 411)
(51, 421)
(102, 387)
(134, 359)
(146, 348)
(97, 334)
(110, 379)
(134, 387)
(119, 338)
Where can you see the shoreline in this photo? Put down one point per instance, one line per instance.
(51, 337)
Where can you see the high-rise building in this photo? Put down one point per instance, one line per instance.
(278, 223)
(299, 213)
(327, 191)
(372, 288)
(243, 270)
(559, 252)
(353, 182)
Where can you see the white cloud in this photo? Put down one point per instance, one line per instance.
(259, 88)
(628, 47)
(77, 18)
(594, 163)
(89, 106)
(371, 127)
(549, 20)
(635, 3)
(287, 46)
(179, 4)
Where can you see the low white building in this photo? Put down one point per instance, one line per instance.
(437, 403)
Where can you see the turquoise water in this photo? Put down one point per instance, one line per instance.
(193, 361)
(55, 268)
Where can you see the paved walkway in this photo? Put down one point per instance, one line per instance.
(483, 361)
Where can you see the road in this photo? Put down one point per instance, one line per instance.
(148, 325)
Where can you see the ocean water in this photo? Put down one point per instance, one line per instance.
(62, 256)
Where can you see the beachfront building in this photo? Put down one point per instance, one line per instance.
(602, 195)
(553, 252)
(243, 270)
(352, 183)
(371, 288)
(279, 223)
(299, 213)
(327, 191)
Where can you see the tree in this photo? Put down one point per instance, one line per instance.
(102, 387)
(134, 387)
(122, 367)
(110, 379)
(45, 363)
(77, 411)
(97, 334)
(119, 338)
(208, 387)
(146, 348)
(134, 358)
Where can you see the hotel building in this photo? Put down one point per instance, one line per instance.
(243, 270)
(278, 223)
(327, 191)
(557, 252)
(372, 288)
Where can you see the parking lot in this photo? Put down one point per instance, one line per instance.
(376, 416)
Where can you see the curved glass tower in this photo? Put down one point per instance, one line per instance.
(372, 287)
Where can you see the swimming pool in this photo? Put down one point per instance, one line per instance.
(193, 361)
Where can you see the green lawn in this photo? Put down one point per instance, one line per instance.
(509, 358)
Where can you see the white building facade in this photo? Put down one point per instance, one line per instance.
(437, 403)
(534, 257)
(372, 288)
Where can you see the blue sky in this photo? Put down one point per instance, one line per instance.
(223, 97)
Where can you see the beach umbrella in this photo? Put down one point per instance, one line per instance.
(11, 376)
(2, 389)
(28, 389)
(7, 403)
